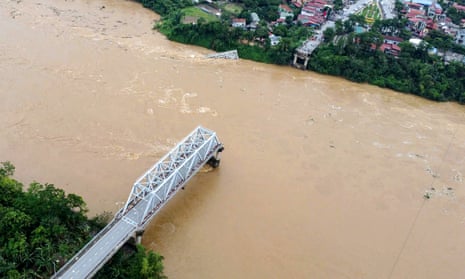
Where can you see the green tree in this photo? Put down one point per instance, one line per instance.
(329, 34)
(398, 6)
(262, 30)
(142, 264)
(281, 54)
(455, 15)
(339, 27)
(338, 5)
(440, 40)
(41, 228)
(348, 26)
(357, 18)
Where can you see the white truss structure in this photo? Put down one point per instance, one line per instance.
(168, 175)
(148, 195)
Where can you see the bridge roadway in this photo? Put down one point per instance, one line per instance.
(149, 194)
(231, 54)
(89, 260)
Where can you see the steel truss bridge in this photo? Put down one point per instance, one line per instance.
(148, 195)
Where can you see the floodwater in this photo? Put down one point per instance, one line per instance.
(320, 177)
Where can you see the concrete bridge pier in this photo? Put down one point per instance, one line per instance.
(138, 236)
(301, 60)
(148, 195)
(215, 159)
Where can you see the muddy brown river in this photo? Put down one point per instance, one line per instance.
(320, 178)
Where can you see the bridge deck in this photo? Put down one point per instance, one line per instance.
(149, 194)
(231, 54)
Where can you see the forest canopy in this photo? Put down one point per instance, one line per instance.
(42, 227)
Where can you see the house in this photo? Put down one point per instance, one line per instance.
(313, 21)
(285, 11)
(313, 13)
(279, 21)
(254, 21)
(434, 10)
(431, 25)
(274, 40)
(314, 7)
(254, 17)
(390, 49)
(297, 3)
(392, 40)
(310, 11)
(425, 3)
(416, 42)
(411, 13)
(460, 37)
(414, 6)
(459, 7)
(416, 17)
(238, 23)
(416, 21)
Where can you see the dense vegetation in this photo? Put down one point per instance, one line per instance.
(413, 71)
(455, 15)
(219, 36)
(344, 53)
(42, 227)
(357, 57)
(165, 7)
(138, 265)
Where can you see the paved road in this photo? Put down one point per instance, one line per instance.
(354, 8)
(85, 264)
(388, 8)
(310, 45)
(167, 176)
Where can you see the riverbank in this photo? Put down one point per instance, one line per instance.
(353, 55)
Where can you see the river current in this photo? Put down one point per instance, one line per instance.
(320, 177)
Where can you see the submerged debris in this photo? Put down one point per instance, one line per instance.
(445, 192)
(430, 171)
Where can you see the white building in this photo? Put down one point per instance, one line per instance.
(274, 40)
(460, 37)
(238, 22)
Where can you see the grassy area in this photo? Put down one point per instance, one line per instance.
(196, 12)
(371, 13)
(233, 8)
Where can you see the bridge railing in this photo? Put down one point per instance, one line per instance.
(182, 175)
(173, 169)
(86, 247)
(109, 255)
(148, 195)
